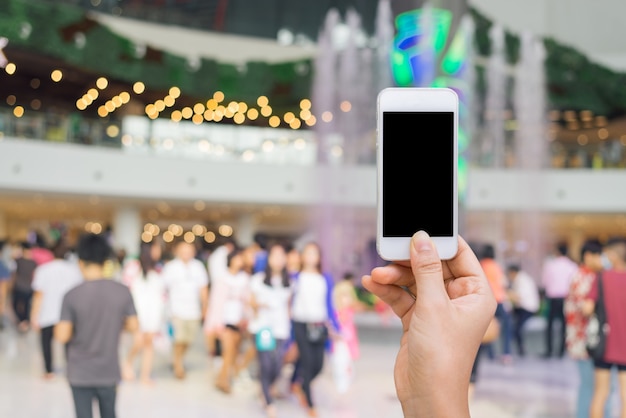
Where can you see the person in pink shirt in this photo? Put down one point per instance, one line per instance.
(556, 278)
(614, 286)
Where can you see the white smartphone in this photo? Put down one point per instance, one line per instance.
(417, 169)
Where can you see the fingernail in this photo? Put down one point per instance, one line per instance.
(421, 242)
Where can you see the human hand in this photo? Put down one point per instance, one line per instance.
(443, 325)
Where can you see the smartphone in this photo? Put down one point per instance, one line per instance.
(417, 169)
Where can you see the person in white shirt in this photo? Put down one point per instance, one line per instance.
(524, 295)
(143, 277)
(51, 282)
(556, 278)
(314, 320)
(236, 294)
(217, 266)
(271, 324)
(187, 286)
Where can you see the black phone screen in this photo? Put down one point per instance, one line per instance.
(417, 173)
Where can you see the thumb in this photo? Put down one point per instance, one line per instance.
(427, 269)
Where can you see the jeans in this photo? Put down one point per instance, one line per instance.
(84, 396)
(521, 316)
(585, 389)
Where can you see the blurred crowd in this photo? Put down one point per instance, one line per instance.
(565, 296)
(263, 311)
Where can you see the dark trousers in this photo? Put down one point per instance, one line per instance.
(521, 316)
(311, 359)
(555, 313)
(85, 395)
(21, 304)
(46, 347)
(506, 332)
(270, 365)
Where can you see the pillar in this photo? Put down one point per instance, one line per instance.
(4, 232)
(245, 229)
(127, 227)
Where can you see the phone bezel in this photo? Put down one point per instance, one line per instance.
(415, 99)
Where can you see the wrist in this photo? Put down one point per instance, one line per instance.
(437, 403)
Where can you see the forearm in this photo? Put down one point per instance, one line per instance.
(438, 400)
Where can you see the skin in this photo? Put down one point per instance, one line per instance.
(442, 326)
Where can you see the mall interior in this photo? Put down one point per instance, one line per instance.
(162, 120)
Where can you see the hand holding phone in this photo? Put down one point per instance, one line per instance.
(417, 169)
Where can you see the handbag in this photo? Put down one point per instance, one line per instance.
(316, 332)
(598, 327)
(265, 340)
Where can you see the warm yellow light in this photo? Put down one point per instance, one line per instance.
(96, 228)
(267, 146)
(233, 107)
(174, 92)
(139, 87)
(159, 105)
(168, 236)
(220, 111)
(252, 114)
(582, 139)
(208, 115)
(18, 111)
(127, 140)
(228, 112)
(295, 124)
(305, 104)
(603, 133)
(150, 109)
(305, 114)
(198, 229)
(217, 117)
(56, 75)
(153, 116)
(210, 237)
(345, 106)
(211, 104)
(274, 121)
(218, 96)
(311, 121)
(169, 101)
(225, 230)
(198, 108)
(239, 118)
(81, 104)
(88, 100)
(197, 119)
(177, 116)
(113, 131)
(103, 112)
(266, 110)
(146, 237)
(327, 116)
(187, 112)
(117, 101)
(189, 237)
(199, 205)
(242, 107)
(93, 94)
(262, 101)
(288, 117)
(10, 68)
(125, 97)
(102, 83)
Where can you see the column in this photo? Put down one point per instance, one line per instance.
(4, 232)
(127, 227)
(245, 229)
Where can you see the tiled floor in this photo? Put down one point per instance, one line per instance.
(529, 388)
